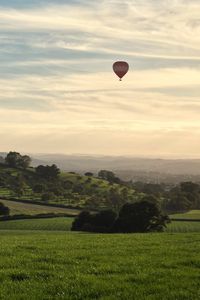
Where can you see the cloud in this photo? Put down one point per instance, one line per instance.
(57, 89)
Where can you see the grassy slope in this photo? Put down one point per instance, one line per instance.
(102, 186)
(193, 214)
(93, 266)
(17, 208)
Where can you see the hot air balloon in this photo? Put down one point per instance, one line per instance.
(120, 68)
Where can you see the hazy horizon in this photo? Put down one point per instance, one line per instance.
(58, 93)
(178, 157)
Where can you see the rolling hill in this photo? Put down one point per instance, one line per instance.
(68, 190)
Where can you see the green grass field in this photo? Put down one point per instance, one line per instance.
(53, 224)
(181, 226)
(58, 265)
(192, 214)
(17, 208)
(64, 223)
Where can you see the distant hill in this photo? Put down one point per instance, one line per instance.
(127, 167)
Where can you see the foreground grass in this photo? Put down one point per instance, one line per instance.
(61, 223)
(47, 265)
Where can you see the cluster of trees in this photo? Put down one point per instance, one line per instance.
(182, 197)
(109, 176)
(16, 160)
(143, 216)
(48, 172)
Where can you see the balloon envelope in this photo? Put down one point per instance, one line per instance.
(120, 68)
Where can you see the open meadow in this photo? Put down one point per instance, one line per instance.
(40, 258)
(61, 265)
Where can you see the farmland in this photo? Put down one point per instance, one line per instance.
(192, 214)
(53, 224)
(64, 224)
(18, 208)
(183, 226)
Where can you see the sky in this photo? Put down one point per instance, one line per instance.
(58, 93)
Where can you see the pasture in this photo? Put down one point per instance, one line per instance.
(183, 226)
(192, 214)
(53, 224)
(18, 208)
(64, 223)
(76, 266)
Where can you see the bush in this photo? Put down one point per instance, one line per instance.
(48, 196)
(39, 188)
(4, 210)
(89, 174)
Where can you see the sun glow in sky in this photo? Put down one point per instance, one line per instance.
(58, 92)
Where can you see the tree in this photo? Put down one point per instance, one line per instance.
(151, 198)
(48, 196)
(16, 160)
(104, 220)
(100, 222)
(192, 193)
(24, 161)
(39, 188)
(78, 188)
(116, 198)
(140, 216)
(20, 185)
(48, 172)
(178, 202)
(81, 220)
(106, 175)
(2, 160)
(4, 210)
(12, 159)
(67, 184)
(89, 174)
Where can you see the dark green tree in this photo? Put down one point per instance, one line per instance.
(140, 216)
(106, 175)
(46, 197)
(12, 159)
(39, 188)
(89, 174)
(16, 160)
(48, 172)
(24, 161)
(4, 210)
